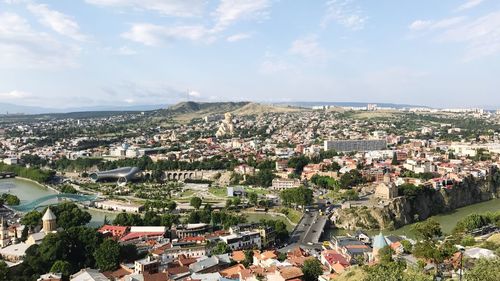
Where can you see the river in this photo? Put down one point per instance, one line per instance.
(28, 191)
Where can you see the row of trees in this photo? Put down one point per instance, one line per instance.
(36, 174)
(299, 196)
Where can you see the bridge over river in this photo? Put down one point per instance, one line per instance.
(44, 201)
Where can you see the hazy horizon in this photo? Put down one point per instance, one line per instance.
(87, 53)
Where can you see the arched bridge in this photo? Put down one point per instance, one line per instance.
(41, 202)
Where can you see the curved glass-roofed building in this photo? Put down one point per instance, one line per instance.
(121, 175)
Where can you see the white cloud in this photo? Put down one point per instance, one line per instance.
(194, 94)
(14, 95)
(419, 25)
(57, 21)
(155, 35)
(23, 47)
(468, 5)
(126, 51)
(481, 36)
(238, 37)
(227, 13)
(345, 13)
(308, 48)
(178, 8)
(273, 66)
(230, 11)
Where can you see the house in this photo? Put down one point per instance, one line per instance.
(334, 261)
(286, 274)
(235, 191)
(211, 264)
(114, 231)
(88, 274)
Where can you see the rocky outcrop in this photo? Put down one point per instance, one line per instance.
(405, 210)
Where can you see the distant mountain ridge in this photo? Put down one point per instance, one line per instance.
(349, 104)
(8, 108)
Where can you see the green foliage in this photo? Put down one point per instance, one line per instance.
(351, 179)
(62, 267)
(35, 174)
(407, 246)
(299, 196)
(69, 215)
(312, 269)
(468, 240)
(107, 255)
(471, 222)
(427, 229)
(220, 249)
(126, 219)
(484, 270)
(262, 178)
(32, 219)
(4, 271)
(298, 163)
(128, 253)
(385, 255)
(196, 202)
(66, 188)
(253, 198)
(222, 218)
(248, 258)
(325, 182)
(150, 218)
(9, 199)
(279, 228)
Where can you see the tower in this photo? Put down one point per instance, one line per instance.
(4, 234)
(378, 243)
(49, 221)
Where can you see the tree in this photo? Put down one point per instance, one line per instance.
(32, 219)
(253, 198)
(312, 269)
(128, 253)
(484, 270)
(385, 255)
(107, 256)
(221, 248)
(196, 202)
(427, 230)
(236, 201)
(407, 246)
(471, 222)
(395, 159)
(351, 179)
(229, 202)
(248, 258)
(69, 215)
(62, 267)
(125, 219)
(4, 271)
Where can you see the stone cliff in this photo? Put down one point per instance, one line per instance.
(405, 210)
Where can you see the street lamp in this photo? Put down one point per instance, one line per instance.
(462, 250)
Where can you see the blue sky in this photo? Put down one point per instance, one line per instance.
(117, 52)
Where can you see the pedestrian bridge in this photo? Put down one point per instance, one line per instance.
(46, 200)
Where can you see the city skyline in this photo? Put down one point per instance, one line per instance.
(127, 52)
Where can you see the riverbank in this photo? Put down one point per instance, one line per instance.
(38, 183)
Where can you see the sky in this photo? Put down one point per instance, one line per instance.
(72, 53)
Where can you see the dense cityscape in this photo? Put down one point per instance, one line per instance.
(215, 191)
(249, 140)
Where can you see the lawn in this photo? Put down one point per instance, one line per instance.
(218, 191)
(257, 217)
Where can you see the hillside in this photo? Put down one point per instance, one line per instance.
(257, 108)
(186, 111)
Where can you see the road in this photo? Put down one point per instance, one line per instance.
(309, 229)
